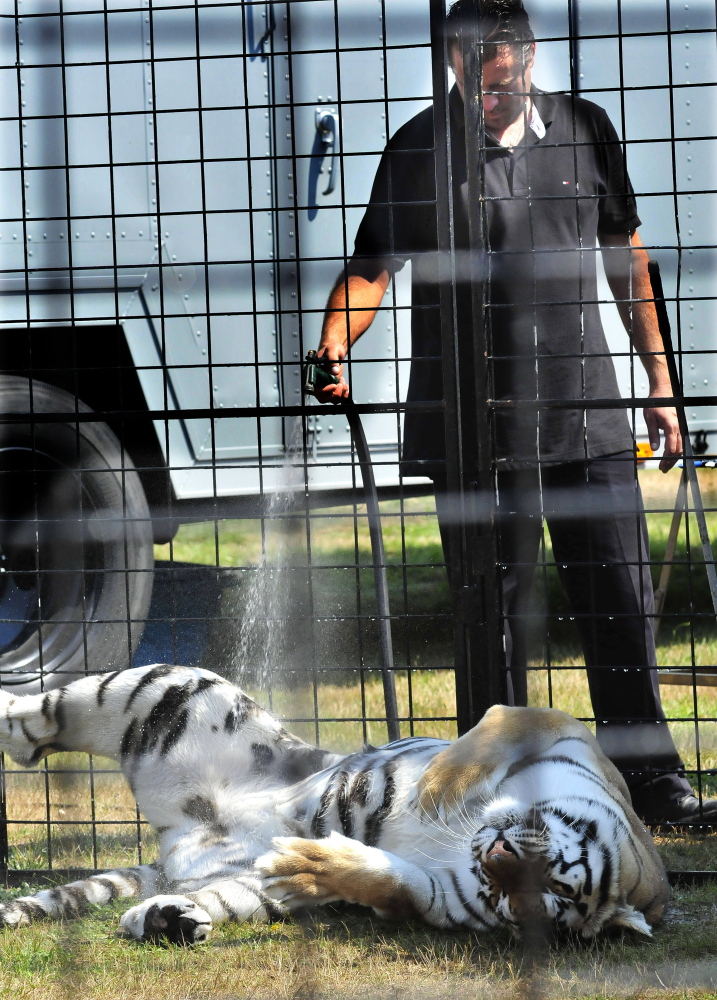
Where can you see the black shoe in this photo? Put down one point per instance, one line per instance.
(686, 811)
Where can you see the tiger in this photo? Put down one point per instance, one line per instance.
(520, 823)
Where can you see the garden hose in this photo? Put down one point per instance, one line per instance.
(316, 376)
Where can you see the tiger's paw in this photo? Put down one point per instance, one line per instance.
(300, 872)
(173, 919)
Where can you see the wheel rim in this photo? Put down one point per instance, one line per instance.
(50, 566)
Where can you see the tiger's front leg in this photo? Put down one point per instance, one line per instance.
(303, 872)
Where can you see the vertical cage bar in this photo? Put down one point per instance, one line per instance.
(486, 661)
(445, 225)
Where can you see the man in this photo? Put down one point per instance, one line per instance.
(555, 189)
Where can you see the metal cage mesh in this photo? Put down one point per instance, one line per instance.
(181, 184)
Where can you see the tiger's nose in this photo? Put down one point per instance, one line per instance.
(499, 850)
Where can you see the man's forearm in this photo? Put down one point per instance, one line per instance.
(352, 305)
(629, 280)
(626, 268)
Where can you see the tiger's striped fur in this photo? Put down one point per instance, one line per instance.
(522, 820)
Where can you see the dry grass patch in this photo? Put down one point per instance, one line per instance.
(348, 953)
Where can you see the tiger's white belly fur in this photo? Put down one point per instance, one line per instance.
(520, 820)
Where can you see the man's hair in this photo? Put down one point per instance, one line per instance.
(500, 22)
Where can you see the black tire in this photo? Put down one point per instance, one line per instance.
(76, 556)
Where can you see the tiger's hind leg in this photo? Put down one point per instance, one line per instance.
(145, 714)
(66, 901)
(189, 918)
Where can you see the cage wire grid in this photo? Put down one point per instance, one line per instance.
(189, 348)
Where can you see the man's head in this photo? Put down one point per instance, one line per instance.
(508, 49)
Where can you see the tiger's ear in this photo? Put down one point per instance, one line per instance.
(627, 916)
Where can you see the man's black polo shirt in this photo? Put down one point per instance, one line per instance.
(545, 204)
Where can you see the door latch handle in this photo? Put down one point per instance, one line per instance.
(327, 125)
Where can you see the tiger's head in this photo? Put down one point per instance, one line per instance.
(547, 869)
(554, 839)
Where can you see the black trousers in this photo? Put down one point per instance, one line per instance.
(598, 530)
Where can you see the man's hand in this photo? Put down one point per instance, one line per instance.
(664, 418)
(333, 393)
(352, 305)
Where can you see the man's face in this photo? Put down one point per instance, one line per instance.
(506, 81)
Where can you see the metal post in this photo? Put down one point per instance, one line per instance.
(574, 24)
(487, 660)
(473, 567)
(445, 234)
(4, 840)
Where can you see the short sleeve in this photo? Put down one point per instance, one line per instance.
(376, 237)
(617, 211)
(401, 212)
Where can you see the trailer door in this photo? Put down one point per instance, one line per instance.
(355, 72)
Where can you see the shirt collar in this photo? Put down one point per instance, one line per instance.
(536, 122)
(545, 104)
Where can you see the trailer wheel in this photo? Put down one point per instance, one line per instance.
(76, 557)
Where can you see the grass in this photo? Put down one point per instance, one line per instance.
(348, 952)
